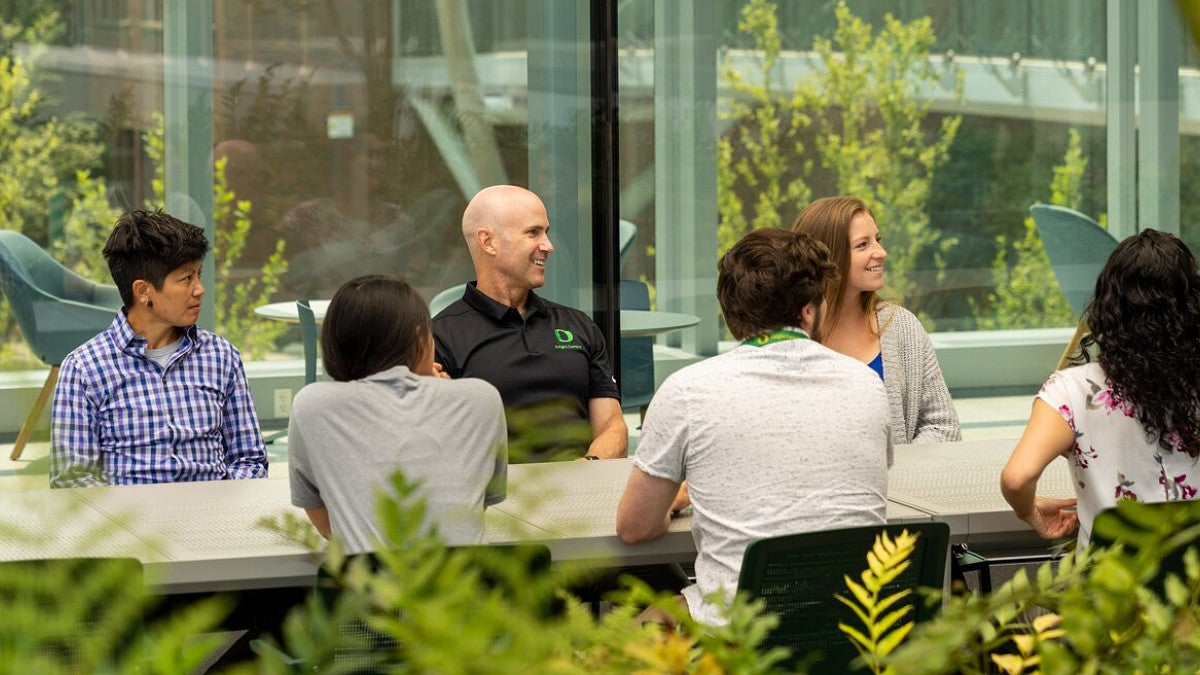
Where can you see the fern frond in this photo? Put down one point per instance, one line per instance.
(879, 614)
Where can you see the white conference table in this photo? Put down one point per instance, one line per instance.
(634, 322)
(207, 536)
(959, 484)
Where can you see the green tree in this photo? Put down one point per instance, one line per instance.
(764, 163)
(1027, 294)
(872, 134)
(48, 161)
(868, 126)
(236, 299)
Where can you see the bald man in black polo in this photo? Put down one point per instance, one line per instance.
(549, 361)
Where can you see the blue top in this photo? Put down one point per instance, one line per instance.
(120, 418)
(876, 364)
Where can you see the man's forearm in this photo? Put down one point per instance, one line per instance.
(610, 444)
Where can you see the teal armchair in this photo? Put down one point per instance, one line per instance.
(56, 309)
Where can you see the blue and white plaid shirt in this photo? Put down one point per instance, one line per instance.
(119, 418)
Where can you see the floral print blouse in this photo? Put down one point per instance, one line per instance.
(1113, 457)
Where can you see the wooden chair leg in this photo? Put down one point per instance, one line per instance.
(1065, 360)
(35, 414)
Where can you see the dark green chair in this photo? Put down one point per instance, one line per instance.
(1143, 528)
(503, 568)
(797, 576)
(57, 310)
(70, 615)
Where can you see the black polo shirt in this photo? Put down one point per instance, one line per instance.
(547, 364)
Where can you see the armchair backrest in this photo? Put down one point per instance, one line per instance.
(445, 298)
(56, 309)
(309, 338)
(1077, 248)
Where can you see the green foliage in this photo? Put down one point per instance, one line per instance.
(868, 125)
(881, 629)
(86, 229)
(873, 134)
(1027, 294)
(79, 615)
(767, 129)
(1095, 612)
(454, 611)
(47, 160)
(235, 311)
(237, 298)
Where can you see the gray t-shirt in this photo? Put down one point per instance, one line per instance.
(346, 439)
(786, 438)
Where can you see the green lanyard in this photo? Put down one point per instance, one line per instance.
(764, 339)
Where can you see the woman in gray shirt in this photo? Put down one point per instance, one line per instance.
(387, 410)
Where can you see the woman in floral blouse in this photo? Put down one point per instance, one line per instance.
(1129, 421)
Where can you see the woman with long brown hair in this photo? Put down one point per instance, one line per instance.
(886, 337)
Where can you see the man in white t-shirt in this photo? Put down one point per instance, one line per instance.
(777, 436)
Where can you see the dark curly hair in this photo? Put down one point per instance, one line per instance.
(1143, 321)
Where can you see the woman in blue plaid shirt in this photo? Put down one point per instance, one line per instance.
(154, 398)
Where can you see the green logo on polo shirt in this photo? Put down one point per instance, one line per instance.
(565, 337)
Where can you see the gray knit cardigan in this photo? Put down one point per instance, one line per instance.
(921, 408)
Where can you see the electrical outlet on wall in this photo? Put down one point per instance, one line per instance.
(283, 402)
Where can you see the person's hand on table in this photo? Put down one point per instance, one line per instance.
(682, 500)
(1053, 518)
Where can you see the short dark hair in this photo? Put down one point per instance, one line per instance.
(149, 245)
(373, 323)
(769, 277)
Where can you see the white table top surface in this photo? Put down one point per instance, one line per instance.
(634, 322)
(208, 536)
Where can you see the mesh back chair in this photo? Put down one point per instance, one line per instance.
(1077, 248)
(797, 576)
(56, 309)
(1137, 525)
(637, 353)
(71, 615)
(358, 646)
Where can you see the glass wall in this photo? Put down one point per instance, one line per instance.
(320, 141)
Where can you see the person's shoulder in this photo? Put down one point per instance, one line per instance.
(89, 356)
(211, 342)
(891, 313)
(454, 311)
(1089, 375)
(319, 395)
(718, 367)
(464, 387)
